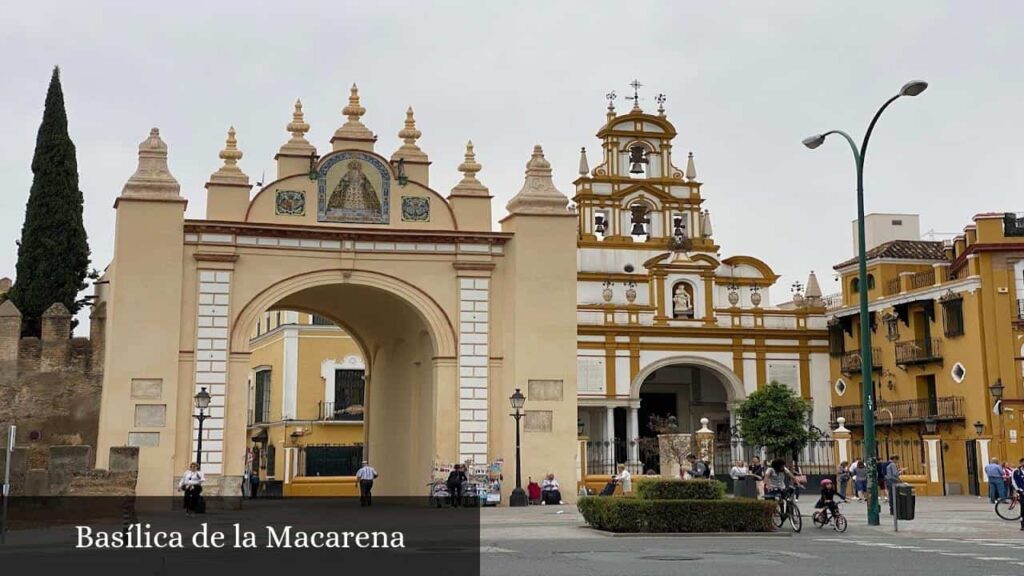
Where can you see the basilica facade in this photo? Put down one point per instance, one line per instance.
(667, 325)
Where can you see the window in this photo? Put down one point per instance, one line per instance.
(836, 341)
(897, 222)
(840, 387)
(271, 453)
(319, 320)
(958, 373)
(953, 316)
(333, 460)
(348, 394)
(261, 404)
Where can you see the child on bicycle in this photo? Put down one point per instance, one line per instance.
(827, 500)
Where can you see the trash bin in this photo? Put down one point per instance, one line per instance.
(905, 502)
(745, 487)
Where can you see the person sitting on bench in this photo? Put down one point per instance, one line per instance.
(549, 490)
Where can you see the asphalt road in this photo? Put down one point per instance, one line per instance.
(950, 536)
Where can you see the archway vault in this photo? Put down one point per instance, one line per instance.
(734, 389)
(441, 328)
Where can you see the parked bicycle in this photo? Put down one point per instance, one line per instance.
(824, 517)
(1009, 508)
(786, 510)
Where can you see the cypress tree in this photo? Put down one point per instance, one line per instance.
(53, 254)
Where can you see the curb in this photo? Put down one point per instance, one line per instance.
(692, 534)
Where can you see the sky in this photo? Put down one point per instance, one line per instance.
(745, 83)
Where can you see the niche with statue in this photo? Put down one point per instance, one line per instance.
(682, 301)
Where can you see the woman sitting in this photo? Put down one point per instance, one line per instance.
(549, 491)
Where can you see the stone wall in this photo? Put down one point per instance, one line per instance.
(50, 386)
(69, 472)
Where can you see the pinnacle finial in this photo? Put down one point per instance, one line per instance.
(152, 178)
(354, 110)
(538, 195)
(691, 170)
(298, 126)
(584, 165)
(409, 134)
(469, 185)
(230, 173)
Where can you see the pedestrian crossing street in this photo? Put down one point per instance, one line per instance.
(999, 551)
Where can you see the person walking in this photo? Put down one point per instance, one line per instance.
(365, 476)
(860, 480)
(757, 471)
(456, 480)
(843, 477)
(1018, 485)
(192, 485)
(996, 484)
(892, 478)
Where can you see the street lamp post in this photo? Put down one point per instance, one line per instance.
(912, 88)
(518, 497)
(202, 400)
(996, 390)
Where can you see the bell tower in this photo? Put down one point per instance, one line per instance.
(637, 194)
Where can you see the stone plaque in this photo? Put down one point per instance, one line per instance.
(785, 373)
(590, 374)
(151, 415)
(147, 387)
(544, 390)
(537, 421)
(143, 439)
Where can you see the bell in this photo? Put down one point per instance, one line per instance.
(638, 229)
(599, 225)
(677, 227)
(636, 168)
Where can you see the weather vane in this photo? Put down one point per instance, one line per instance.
(635, 97)
(611, 96)
(660, 99)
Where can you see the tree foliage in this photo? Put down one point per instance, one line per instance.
(53, 254)
(777, 419)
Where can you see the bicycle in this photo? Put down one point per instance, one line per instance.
(1009, 508)
(787, 510)
(822, 518)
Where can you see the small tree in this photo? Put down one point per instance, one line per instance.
(668, 438)
(776, 419)
(53, 254)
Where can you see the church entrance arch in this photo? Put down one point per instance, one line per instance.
(401, 333)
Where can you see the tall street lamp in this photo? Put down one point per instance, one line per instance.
(912, 88)
(518, 497)
(996, 390)
(202, 400)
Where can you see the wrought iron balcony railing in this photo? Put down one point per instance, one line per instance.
(851, 362)
(920, 351)
(945, 408)
(337, 412)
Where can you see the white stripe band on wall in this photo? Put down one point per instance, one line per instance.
(212, 343)
(474, 356)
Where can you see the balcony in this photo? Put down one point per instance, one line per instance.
(942, 409)
(850, 362)
(923, 351)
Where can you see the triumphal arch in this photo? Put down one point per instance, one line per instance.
(450, 315)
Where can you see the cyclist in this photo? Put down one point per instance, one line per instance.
(1018, 485)
(827, 500)
(778, 480)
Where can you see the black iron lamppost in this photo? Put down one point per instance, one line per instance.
(202, 400)
(867, 401)
(518, 497)
(979, 427)
(996, 390)
(930, 425)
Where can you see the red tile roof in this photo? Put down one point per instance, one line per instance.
(902, 250)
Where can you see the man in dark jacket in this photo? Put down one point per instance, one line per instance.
(455, 480)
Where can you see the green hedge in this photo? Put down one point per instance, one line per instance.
(680, 490)
(636, 515)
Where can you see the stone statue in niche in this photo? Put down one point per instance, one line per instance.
(682, 302)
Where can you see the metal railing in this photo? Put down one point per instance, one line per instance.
(910, 451)
(922, 279)
(943, 408)
(851, 362)
(337, 412)
(919, 351)
(833, 301)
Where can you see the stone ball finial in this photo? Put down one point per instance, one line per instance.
(230, 172)
(469, 185)
(354, 110)
(230, 154)
(409, 134)
(298, 126)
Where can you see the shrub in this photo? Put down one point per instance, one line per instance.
(662, 489)
(635, 515)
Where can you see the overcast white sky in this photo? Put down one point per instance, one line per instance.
(745, 81)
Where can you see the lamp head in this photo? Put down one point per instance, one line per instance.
(518, 400)
(913, 88)
(813, 142)
(979, 427)
(202, 399)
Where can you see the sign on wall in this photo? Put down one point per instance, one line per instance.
(590, 374)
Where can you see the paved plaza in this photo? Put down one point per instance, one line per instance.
(951, 535)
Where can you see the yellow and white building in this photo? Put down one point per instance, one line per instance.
(947, 337)
(667, 324)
